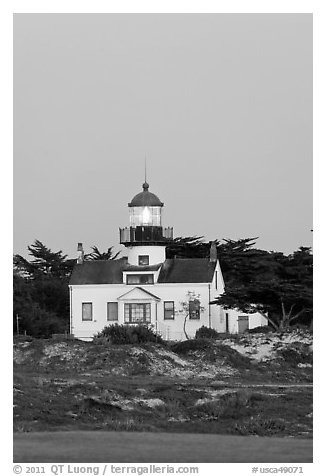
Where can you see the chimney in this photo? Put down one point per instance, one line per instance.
(213, 252)
(80, 253)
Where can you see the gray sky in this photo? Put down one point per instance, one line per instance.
(221, 105)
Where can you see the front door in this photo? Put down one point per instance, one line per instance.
(243, 324)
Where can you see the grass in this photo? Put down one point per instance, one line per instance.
(156, 447)
(84, 405)
(62, 394)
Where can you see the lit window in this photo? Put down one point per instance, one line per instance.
(137, 313)
(145, 216)
(140, 279)
(194, 309)
(143, 260)
(168, 309)
(87, 311)
(112, 311)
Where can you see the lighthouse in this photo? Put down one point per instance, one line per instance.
(145, 237)
(146, 287)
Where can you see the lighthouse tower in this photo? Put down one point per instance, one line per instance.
(145, 237)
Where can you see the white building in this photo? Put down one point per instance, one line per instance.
(145, 287)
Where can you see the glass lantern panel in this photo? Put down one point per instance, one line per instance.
(145, 216)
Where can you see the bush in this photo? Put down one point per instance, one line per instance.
(186, 346)
(206, 333)
(41, 323)
(260, 330)
(211, 351)
(302, 328)
(260, 426)
(296, 353)
(125, 334)
(22, 338)
(232, 405)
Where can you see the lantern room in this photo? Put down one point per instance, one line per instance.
(145, 209)
(145, 221)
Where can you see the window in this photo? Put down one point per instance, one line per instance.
(152, 216)
(215, 279)
(87, 311)
(168, 309)
(112, 311)
(194, 309)
(143, 260)
(140, 278)
(137, 313)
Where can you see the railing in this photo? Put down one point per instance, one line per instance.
(145, 234)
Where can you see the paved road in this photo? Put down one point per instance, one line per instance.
(134, 447)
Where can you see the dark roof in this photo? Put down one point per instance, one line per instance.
(192, 270)
(153, 267)
(145, 199)
(98, 272)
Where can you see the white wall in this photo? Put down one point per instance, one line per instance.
(173, 328)
(211, 316)
(156, 254)
(100, 295)
(255, 320)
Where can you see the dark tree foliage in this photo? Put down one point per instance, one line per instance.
(41, 313)
(278, 286)
(41, 294)
(97, 255)
(188, 247)
(270, 282)
(44, 262)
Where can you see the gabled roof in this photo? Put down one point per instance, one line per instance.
(192, 270)
(141, 293)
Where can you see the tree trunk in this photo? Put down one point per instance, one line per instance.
(288, 317)
(285, 321)
(184, 327)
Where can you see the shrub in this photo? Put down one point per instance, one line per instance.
(232, 405)
(296, 353)
(232, 357)
(100, 339)
(22, 338)
(124, 334)
(208, 350)
(305, 329)
(260, 330)
(186, 346)
(260, 426)
(206, 333)
(39, 322)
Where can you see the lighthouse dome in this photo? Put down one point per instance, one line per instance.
(145, 199)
